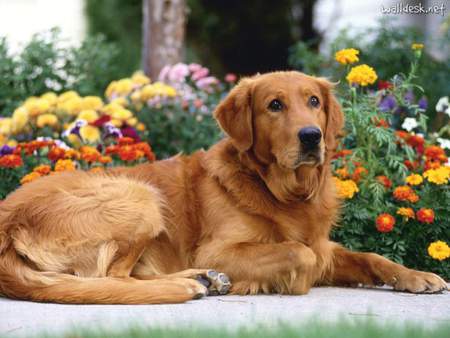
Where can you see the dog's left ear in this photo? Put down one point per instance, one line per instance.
(234, 115)
(335, 116)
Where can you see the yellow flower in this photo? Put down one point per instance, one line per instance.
(30, 177)
(121, 101)
(46, 120)
(123, 87)
(136, 96)
(162, 89)
(147, 92)
(345, 188)
(91, 102)
(67, 96)
(50, 97)
(71, 106)
(74, 140)
(122, 114)
(438, 176)
(36, 106)
(362, 75)
(347, 56)
(65, 165)
(110, 108)
(6, 125)
(439, 250)
(417, 46)
(88, 115)
(140, 126)
(19, 119)
(116, 123)
(90, 134)
(132, 122)
(140, 79)
(414, 179)
(407, 213)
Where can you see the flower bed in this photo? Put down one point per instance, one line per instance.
(391, 174)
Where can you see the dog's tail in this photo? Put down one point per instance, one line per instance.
(19, 280)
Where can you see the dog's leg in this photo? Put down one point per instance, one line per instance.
(353, 268)
(216, 282)
(255, 267)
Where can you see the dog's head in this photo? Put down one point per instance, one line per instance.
(284, 118)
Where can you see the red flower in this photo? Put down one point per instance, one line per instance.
(125, 140)
(128, 153)
(101, 120)
(384, 84)
(411, 165)
(430, 164)
(385, 223)
(11, 161)
(435, 153)
(56, 154)
(425, 215)
(342, 153)
(385, 181)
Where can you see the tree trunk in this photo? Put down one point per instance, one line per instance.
(163, 34)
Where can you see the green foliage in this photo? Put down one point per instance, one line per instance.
(121, 23)
(44, 65)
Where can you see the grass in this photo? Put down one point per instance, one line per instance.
(344, 329)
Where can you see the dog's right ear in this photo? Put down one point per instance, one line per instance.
(234, 115)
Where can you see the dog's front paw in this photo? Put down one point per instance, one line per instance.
(217, 283)
(418, 282)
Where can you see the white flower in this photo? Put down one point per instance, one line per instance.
(443, 105)
(409, 123)
(444, 143)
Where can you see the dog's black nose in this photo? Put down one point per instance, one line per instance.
(310, 136)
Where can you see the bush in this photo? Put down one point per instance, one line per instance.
(44, 65)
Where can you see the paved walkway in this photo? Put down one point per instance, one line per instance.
(20, 318)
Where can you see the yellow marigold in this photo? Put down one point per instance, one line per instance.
(439, 250)
(90, 133)
(438, 176)
(74, 140)
(36, 106)
(67, 96)
(110, 108)
(362, 75)
(407, 213)
(19, 119)
(120, 101)
(122, 114)
(91, 102)
(347, 56)
(123, 87)
(71, 106)
(89, 115)
(417, 46)
(132, 122)
(50, 97)
(345, 188)
(6, 125)
(147, 92)
(65, 165)
(140, 79)
(46, 120)
(116, 123)
(414, 179)
(30, 177)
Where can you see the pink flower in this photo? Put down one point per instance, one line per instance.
(193, 67)
(206, 82)
(199, 74)
(178, 73)
(230, 78)
(163, 73)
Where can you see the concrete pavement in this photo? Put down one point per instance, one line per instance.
(18, 318)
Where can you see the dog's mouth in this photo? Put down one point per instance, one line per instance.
(312, 157)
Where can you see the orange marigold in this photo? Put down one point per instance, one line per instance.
(128, 153)
(342, 172)
(432, 165)
(42, 169)
(90, 154)
(65, 165)
(125, 141)
(407, 213)
(435, 153)
(105, 159)
(385, 223)
(358, 173)
(11, 161)
(425, 215)
(342, 153)
(32, 146)
(403, 193)
(72, 154)
(385, 181)
(146, 149)
(30, 177)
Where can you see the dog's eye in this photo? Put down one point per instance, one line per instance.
(314, 101)
(275, 105)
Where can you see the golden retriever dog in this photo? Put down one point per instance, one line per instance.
(258, 207)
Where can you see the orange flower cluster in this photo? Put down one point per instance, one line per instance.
(425, 215)
(358, 173)
(11, 161)
(405, 193)
(33, 146)
(64, 165)
(39, 171)
(407, 213)
(129, 151)
(434, 157)
(385, 223)
(342, 153)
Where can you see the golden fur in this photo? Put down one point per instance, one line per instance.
(253, 206)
